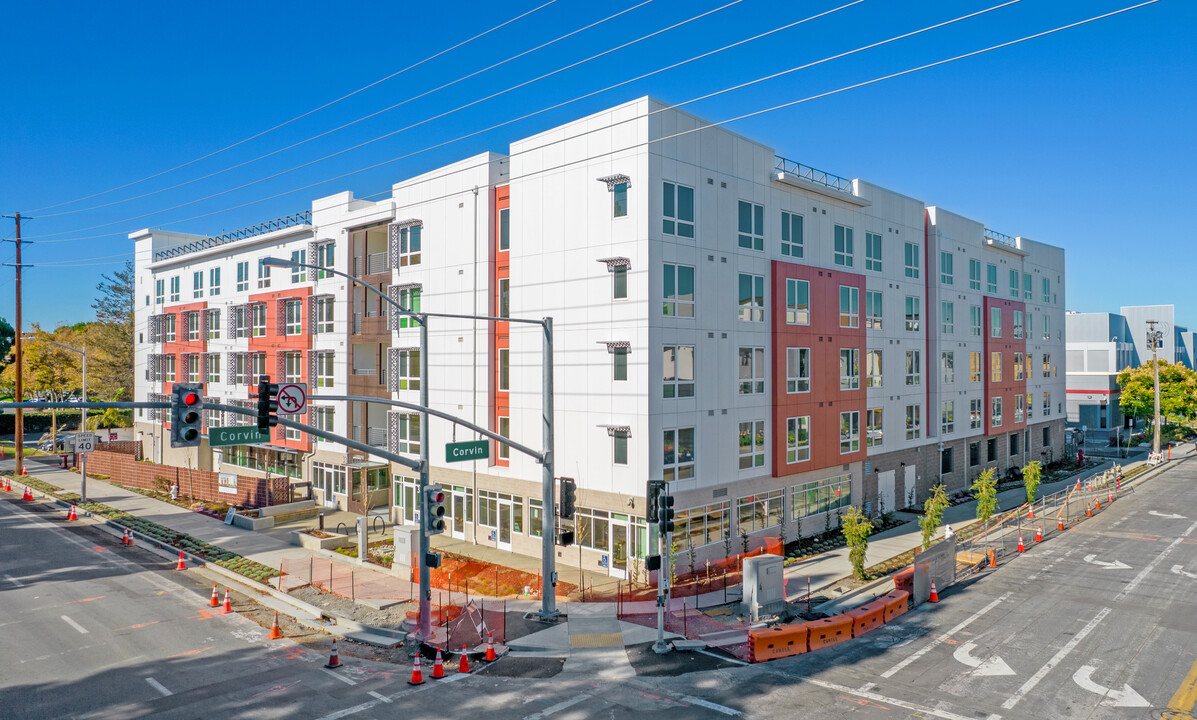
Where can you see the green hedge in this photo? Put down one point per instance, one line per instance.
(36, 422)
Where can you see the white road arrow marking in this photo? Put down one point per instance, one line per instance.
(1126, 697)
(1172, 516)
(1116, 565)
(993, 666)
(1179, 570)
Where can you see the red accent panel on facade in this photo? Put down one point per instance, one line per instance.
(1007, 388)
(274, 344)
(181, 345)
(825, 338)
(500, 332)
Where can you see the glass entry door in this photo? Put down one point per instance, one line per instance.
(458, 516)
(619, 549)
(504, 525)
(357, 491)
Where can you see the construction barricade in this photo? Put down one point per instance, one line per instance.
(867, 617)
(829, 631)
(904, 580)
(896, 604)
(777, 642)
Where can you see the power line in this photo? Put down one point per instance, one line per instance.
(309, 112)
(358, 120)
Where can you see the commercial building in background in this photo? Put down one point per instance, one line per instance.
(775, 342)
(1100, 345)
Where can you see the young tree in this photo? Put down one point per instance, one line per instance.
(1031, 472)
(933, 509)
(856, 529)
(985, 491)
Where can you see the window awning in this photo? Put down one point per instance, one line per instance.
(613, 180)
(614, 262)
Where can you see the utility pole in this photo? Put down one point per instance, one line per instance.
(1154, 337)
(19, 390)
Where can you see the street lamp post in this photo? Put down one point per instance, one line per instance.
(82, 411)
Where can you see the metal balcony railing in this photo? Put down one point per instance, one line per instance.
(357, 323)
(810, 174)
(376, 437)
(994, 236)
(302, 218)
(376, 263)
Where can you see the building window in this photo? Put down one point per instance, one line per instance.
(873, 372)
(791, 235)
(752, 298)
(797, 370)
(193, 369)
(504, 431)
(947, 318)
(1047, 437)
(974, 413)
(174, 289)
(299, 274)
(1017, 323)
(912, 260)
(258, 319)
(974, 454)
(1018, 366)
(409, 433)
(872, 251)
(324, 314)
(752, 370)
(193, 326)
(324, 259)
(504, 297)
(974, 367)
(1047, 365)
(849, 432)
(873, 310)
(213, 324)
(619, 282)
(849, 307)
(678, 210)
(263, 274)
(159, 291)
(619, 200)
(760, 511)
(991, 450)
(947, 417)
(995, 322)
(619, 447)
(1047, 404)
(678, 362)
(242, 276)
(410, 242)
(294, 317)
(874, 436)
(798, 439)
(945, 267)
(843, 246)
(797, 302)
(1013, 444)
(1019, 407)
(1047, 290)
(752, 444)
(678, 454)
(995, 367)
(407, 371)
(409, 298)
(991, 278)
(197, 284)
(1014, 290)
(292, 367)
(505, 229)
(704, 525)
(168, 328)
(1031, 406)
(504, 363)
(1031, 327)
(214, 281)
(995, 419)
(678, 291)
(945, 461)
(974, 274)
(914, 422)
(752, 226)
(619, 364)
(324, 369)
(914, 371)
(849, 369)
(974, 320)
(238, 373)
(257, 367)
(322, 418)
(1027, 293)
(1047, 327)
(912, 313)
(947, 365)
(168, 368)
(820, 496)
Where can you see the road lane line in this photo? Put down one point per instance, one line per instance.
(710, 705)
(74, 624)
(342, 678)
(159, 687)
(943, 638)
(380, 696)
(1151, 565)
(553, 709)
(14, 581)
(877, 697)
(1186, 695)
(722, 657)
(1029, 685)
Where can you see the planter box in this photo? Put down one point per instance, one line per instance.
(311, 542)
(288, 508)
(252, 523)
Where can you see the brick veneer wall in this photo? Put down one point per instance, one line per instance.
(202, 485)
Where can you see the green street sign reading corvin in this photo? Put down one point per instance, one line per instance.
(247, 435)
(472, 450)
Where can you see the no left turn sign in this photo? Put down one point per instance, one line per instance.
(292, 398)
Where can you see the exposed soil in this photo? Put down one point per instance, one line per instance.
(391, 617)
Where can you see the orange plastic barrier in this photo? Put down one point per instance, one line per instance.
(777, 642)
(773, 546)
(896, 604)
(829, 631)
(867, 617)
(904, 580)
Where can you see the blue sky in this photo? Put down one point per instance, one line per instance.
(1083, 139)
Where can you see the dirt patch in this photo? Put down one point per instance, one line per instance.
(391, 617)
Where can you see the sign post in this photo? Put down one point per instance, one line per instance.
(469, 450)
(83, 445)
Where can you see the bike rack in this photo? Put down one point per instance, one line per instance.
(342, 525)
(379, 519)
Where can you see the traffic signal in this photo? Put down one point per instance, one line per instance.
(565, 537)
(432, 559)
(432, 515)
(665, 522)
(569, 493)
(655, 489)
(267, 404)
(652, 563)
(186, 406)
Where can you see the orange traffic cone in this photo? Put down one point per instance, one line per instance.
(128, 538)
(24, 470)
(1109, 495)
(1030, 513)
(417, 678)
(1039, 534)
(1088, 510)
(463, 665)
(934, 593)
(438, 667)
(71, 515)
(276, 633)
(215, 601)
(1021, 547)
(7, 485)
(228, 603)
(182, 565)
(490, 648)
(992, 558)
(28, 494)
(334, 660)
(1059, 522)
(1078, 483)
(1096, 503)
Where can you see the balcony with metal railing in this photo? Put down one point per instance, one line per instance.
(1005, 242)
(376, 263)
(376, 437)
(795, 174)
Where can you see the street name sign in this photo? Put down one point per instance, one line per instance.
(247, 435)
(471, 450)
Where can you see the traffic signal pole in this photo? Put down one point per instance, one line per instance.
(425, 622)
(548, 546)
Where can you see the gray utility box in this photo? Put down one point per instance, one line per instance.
(407, 544)
(763, 586)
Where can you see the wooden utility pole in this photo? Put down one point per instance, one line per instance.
(19, 424)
